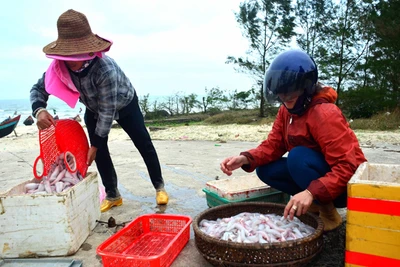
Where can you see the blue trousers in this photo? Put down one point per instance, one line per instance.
(295, 173)
(131, 120)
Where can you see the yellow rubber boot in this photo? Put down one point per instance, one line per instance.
(329, 215)
(161, 197)
(108, 204)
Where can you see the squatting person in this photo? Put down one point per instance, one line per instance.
(323, 152)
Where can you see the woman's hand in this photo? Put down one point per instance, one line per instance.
(298, 204)
(44, 120)
(91, 155)
(232, 163)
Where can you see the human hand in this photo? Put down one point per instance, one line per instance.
(44, 120)
(232, 163)
(298, 204)
(91, 155)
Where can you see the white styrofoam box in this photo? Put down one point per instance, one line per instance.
(50, 224)
(239, 188)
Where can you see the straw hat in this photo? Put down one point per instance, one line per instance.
(75, 36)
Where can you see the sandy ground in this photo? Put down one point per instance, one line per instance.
(190, 157)
(252, 133)
(28, 135)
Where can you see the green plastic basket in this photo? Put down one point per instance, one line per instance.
(276, 196)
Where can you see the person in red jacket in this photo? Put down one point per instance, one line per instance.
(323, 152)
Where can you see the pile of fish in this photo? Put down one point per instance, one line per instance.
(256, 228)
(59, 179)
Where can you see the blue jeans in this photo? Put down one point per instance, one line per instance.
(131, 120)
(295, 173)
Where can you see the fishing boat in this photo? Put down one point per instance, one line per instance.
(8, 125)
(29, 121)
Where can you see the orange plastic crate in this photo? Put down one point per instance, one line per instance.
(149, 240)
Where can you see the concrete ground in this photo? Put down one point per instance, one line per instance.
(186, 167)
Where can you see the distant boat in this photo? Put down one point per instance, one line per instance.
(77, 118)
(8, 125)
(29, 121)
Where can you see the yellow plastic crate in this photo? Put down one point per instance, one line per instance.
(373, 216)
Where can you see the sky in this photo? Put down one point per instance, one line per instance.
(164, 47)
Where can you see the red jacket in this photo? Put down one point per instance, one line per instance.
(322, 128)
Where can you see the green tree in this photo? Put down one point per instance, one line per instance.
(177, 101)
(169, 104)
(345, 47)
(189, 102)
(268, 26)
(214, 99)
(364, 102)
(313, 17)
(362, 70)
(385, 50)
(144, 103)
(155, 106)
(240, 100)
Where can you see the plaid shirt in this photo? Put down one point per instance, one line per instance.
(104, 89)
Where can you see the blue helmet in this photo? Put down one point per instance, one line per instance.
(292, 71)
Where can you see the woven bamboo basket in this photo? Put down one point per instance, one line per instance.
(227, 253)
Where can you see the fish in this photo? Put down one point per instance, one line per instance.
(59, 176)
(31, 186)
(248, 227)
(59, 187)
(58, 180)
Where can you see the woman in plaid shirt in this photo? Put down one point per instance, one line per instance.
(81, 71)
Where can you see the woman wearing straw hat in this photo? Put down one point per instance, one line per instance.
(80, 70)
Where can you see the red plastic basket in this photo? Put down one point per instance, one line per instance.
(66, 136)
(149, 240)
